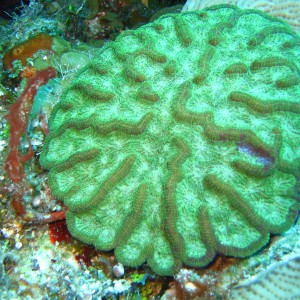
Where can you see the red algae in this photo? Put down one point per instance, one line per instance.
(86, 256)
(54, 217)
(27, 49)
(18, 118)
(59, 232)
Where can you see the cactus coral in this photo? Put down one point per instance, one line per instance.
(280, 281)
(284, 9)
(181, 140)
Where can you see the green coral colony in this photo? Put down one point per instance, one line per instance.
(181, 140)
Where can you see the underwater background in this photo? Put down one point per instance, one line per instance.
(43, 45)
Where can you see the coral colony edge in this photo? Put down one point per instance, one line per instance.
(181, 139)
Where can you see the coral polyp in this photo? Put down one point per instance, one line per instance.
(181, 140)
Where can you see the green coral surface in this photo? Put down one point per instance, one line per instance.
(181, 140)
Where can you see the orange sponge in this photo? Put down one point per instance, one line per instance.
(27, 49)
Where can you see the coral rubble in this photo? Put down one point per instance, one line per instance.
(181, 139)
